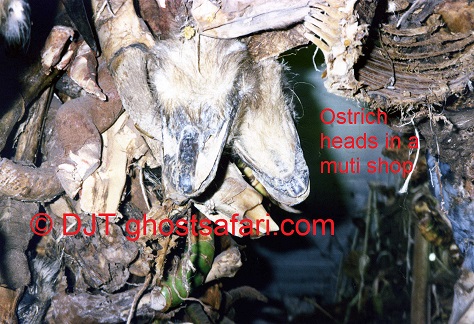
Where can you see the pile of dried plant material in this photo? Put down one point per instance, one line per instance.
(403, 261)
(415, 59)
(414, 54)
(387, 275)
(177, 109)
(161, 135)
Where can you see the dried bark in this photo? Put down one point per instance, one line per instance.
(420, 290)
(30, 137)
(463, 299)
(417, 66)
(33, 83)
(26, 183)
(273, 43)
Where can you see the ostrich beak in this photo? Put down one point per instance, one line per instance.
(266, 140)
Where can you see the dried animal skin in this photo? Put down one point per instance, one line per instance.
(125, 44)
(200, 91)
(37, 297)
(199, 86)
(265, 138)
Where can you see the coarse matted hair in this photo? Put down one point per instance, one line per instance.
(15, 25)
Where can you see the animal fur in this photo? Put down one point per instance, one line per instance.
(15, 25)
(37, 297)
(199, 85)
(212, 95)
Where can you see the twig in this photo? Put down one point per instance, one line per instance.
(420, 279)
(138, 296)
(102, 8)
(160, 260)
(404, 189)
(325, 312)
(417, 4)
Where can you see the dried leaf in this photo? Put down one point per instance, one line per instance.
(235, 196)
(225, 265)
(52, 53)
(102, 190)
(232, 19)
(84, 71)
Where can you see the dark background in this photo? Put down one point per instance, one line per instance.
(295, 271)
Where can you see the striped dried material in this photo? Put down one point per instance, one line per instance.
(418, 64)
(420, 55)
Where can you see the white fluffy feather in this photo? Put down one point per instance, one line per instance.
(15, 23)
